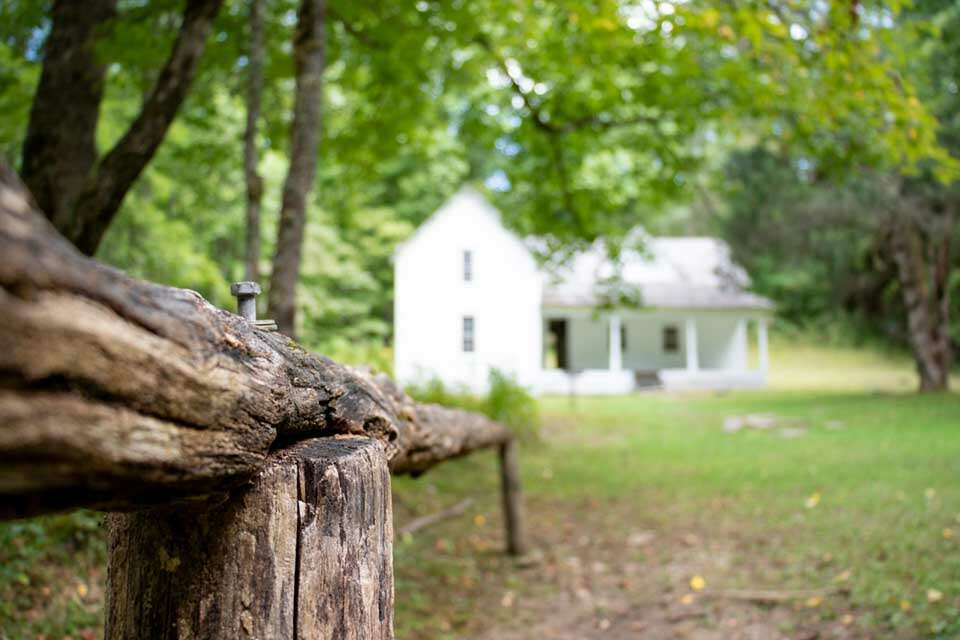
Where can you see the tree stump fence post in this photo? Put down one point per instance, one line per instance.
(512, 498)
(304, 551)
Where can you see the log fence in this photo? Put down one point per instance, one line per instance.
(247, 480)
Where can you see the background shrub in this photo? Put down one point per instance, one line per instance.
(506, 401)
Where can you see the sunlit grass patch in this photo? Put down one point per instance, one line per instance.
(798, 364)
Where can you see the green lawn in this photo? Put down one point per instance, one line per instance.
(864, 498)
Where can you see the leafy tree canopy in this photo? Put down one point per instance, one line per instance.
(584, 118)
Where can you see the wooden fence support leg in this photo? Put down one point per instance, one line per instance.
(512, 499)
(305, 551)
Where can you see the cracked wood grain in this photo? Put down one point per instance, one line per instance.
(116, 393)
(303, 551)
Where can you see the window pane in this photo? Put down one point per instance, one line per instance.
(468, 341)
(467, 266)
(671, 339)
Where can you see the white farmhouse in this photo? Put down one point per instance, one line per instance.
(469, 297)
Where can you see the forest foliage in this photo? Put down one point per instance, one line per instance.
(820, 244)
(581, 119)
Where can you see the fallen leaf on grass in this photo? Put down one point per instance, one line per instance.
(814, 601)
(479, 520)
(697, 583)
(507, 599)
(934, 595)
(905, 605)
(812, 501)
(947, 533)
(847, 619)
(687, 599)
(843, 576)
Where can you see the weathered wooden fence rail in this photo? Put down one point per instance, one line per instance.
(250, 478)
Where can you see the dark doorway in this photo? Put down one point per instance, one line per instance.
(555, 354)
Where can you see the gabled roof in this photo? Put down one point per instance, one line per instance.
(671, 273)
(466, 201)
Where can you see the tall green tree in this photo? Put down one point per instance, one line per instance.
(600, 113)
(879, 238)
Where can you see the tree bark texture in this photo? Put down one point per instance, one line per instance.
(117, 393)
(431, 431)
(251, 155)
(923, 262)
(308, 51)
(59, 151)
(79, 194)
(303, 551)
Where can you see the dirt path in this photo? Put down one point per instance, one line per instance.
(604, 586)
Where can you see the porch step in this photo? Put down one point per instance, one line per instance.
(647, 379)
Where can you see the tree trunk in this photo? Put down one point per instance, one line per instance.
(123, 164)
(308, 51)
(923, 265)
(60, 150)
(251, 156)
(79, 194)
(305, 551)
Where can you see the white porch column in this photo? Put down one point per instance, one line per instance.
(616, 348)
(742, 345)
(693, 358)
(764, 356)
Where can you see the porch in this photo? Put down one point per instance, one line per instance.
(620, 352)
